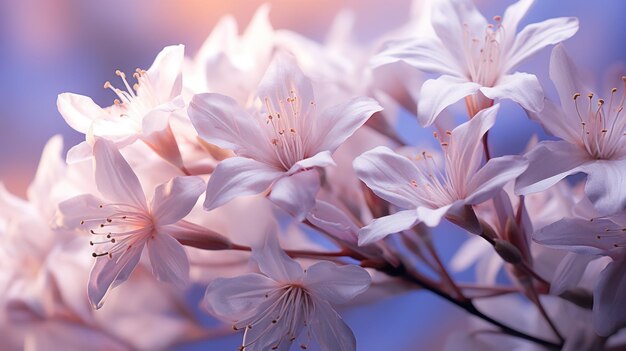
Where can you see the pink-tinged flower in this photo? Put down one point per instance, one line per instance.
(124, 222)
(422, 191)
(286, 305)
(597, 236)
(280, 145)
(230, 63)
(140, 111)
(593, 141)
(476, 58)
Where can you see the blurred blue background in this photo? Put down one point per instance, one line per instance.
(52, 46)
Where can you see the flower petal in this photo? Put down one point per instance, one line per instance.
(569, 272)
(165, 74)
(274, 262)
(578, 235)
(158, 134)
(73, 211)
(331, 332)
(511, 18)
(168, 259)
(79, 111)
(174, 200)
(389, 175)
(433, 216)
(537, 36)
(80, 152)
(609, 298)
(336, 284)
(465, 149)
(490, 179)
(550, 161)
(522, 88)
(238, 176)
(336, 124)
(50, 171)
(567, 79)
(221, 121)
(115, 179)
(557, 123)
(237, 298)
(321, 159)
(437, 94)
(108, 273)
(427, 55)
(451, 20)
(606, 185)
(296, 193)
(282, 80)
(383, 226)
(334, 221)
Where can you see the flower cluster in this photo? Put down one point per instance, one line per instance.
(268, 172)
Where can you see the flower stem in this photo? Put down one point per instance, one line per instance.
(466, 305)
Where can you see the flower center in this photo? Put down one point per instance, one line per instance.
(285, 313)
(125, 227)
(136, 101)
(285, 125)
(433, 187)
(483, 56)
(602, 125)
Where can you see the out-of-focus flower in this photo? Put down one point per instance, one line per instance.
(126, 222)
(475, 58)
(280, 145)
(232, 64)
(141, 111)
(423, 191)
(597, 236)
(592, 142)
(286, 304)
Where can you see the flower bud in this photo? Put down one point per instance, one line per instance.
(507, 251)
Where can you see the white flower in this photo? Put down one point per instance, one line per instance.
(475, 58)
(286, 305)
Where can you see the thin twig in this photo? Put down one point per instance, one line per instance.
(468, 306)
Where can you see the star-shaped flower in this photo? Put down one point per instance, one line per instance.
(281, 144)
(475, 58)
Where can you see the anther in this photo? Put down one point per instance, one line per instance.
(107, 85)
(576, 96)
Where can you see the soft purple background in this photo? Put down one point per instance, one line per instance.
(52, 46)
